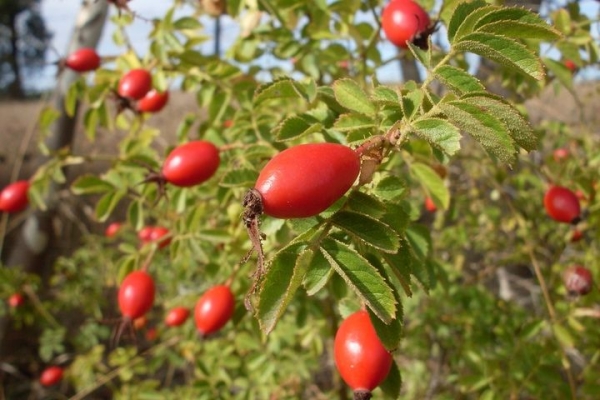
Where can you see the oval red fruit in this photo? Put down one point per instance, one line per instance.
(430, 205)
(403, 21)
(136, 294)
(562, 205)
(51, 375)
(560, 154)
(112, 229)
(360, 357)
(177, 316)
(135, 84)
(578, 280)
(191, 163)
(153, 101)
(145, 234)
(13, 197)
(305, 180)
(83, 60)
(16, 300)
(158, 232)
(570, 64)
(214, 309)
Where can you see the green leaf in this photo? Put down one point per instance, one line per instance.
(517, 23)
(107, 204)
(465, 17)
(411, 102)
(361, 277)
(283, 277)
(389, 334)
(439, 133)
(517, 125)
(457, 80)
(385, 95)
(365, 204)
(296, 126)
(239, 178)
(354, 122)
(284, 88)
(135, 214)
(504, 51)
(187, 23)
(72, 98)
(560, 71)
(392, 384)
(433, 184)
(369, 230)
(391, 188)
(88, 184)
(401, 265)
(485, 128)
(350, 95)
(318, 274)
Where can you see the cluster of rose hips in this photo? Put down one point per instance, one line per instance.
(563, 205)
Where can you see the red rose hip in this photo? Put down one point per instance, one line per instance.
(359, 355)
(214, 309)
(305, 180)
(135, 84)
(191, 163)
(177, 316)
(51, 376)
(83, 60)
(13, 198)
(16, 300)
(562, 205)
(578, 280)
(136, 294)
(153, 101)
(404, 21)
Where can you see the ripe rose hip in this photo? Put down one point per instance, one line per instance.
(214, 309)
(177, 316)
(191, 163)
(145, 233)
(51, 376)
(13, 198)
(16, 300)
(570, 64)
(304, 180)
(136, 295)
(359, 355)
(560, 154)
(562, 205)
(135, 84)
(83, 60)
(158, 232)
(112, 230)
(430, 205)
(153, 101)
(578, 280)
(404, 21)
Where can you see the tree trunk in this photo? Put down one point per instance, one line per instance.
(35, 238)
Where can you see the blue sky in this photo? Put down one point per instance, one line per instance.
(60, 16)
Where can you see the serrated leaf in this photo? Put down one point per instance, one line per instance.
(411, 102)
(318, 274)
(284, 88)
(518, 127)
(419, 238)
(370, 230)
(465, 17)
(350, 95)
(560, 71)
(283, 277)
(88, 184)
(485, 128)
(401, 265)
(457, 80)
(520, 30)
(389, 334)
(433, 184)
(517, 23)
(239, 177)
(392, 384)
(361, 277)
(390, 188)
(438, 132)
(354, 122)
(504, 51)
(135, 215)
(365, 204)
(385, 95)
(107, 204)
(296, 126)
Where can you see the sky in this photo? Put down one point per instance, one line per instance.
(60, 16)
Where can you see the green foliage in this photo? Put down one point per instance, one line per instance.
(420, 275)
